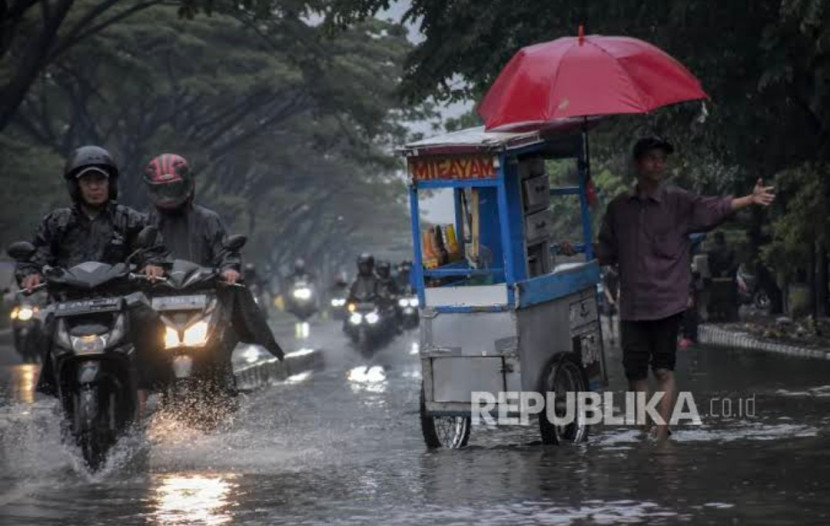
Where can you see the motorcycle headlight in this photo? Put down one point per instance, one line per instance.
(413, 302)
(14, 313)
(303, 293)
(338, 302)
(355, 318)
(196, 334)
(25, 313)
(89, 344)
(403, 302)
(352, 307)
(171, 338)
(372, 318)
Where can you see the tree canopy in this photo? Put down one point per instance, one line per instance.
(288, 126)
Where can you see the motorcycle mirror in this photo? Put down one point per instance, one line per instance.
(21, 250)
(235, 242)
(147, 237)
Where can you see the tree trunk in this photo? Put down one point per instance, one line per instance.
(821, 279)
(35, 59)
(812, 274)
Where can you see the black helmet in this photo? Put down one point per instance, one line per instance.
(90, 157)
(365, 264)
(384, 269)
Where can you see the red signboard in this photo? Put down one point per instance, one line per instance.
(478, 167)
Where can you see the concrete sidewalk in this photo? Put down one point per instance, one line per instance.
(709, 334)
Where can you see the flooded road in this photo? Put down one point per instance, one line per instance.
(343, 446)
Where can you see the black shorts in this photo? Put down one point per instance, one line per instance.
(649, 341)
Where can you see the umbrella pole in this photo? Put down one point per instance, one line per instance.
(587, 147)
(586, 217)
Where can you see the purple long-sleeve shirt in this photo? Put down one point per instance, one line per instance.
(648, 238)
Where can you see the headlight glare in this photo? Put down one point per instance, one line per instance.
(372, 318)
(171, 338)
(25, 314)
(355, 318)
(196, 334)
(302, 293)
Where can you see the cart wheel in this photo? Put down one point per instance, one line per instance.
(443, 431)
(563, 375)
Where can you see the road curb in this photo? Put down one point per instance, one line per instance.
(720, 337)
(272, 370)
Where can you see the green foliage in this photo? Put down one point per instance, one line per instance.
(288, 126)
(805, 221)
(32, 186)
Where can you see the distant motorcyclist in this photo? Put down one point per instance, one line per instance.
(195, 233)
(341, 284)
(300, 272)
(722, 258)
(255, 282)
(95, 228)
(388, 292)
(364, 287)
(387, 288)
(404, 277)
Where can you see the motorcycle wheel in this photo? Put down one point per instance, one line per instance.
(92, 427)
(761, 300)
(364, 344)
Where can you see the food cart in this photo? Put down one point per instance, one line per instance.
(500, 310)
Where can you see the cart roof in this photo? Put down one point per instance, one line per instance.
(475, 140)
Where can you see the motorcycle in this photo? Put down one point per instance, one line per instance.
(302, 301)
(27, 329)
(92, 353)
(750, 292)
(368, 326)
(410, 317)
(337, 305)
(198, 336)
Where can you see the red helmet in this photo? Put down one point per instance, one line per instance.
(169, 181)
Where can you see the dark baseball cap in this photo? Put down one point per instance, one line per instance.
(646, 144)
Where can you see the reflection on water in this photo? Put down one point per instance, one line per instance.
(298, 378)
(302, 330)
(194, 499)
(22, 382)
(365, 378)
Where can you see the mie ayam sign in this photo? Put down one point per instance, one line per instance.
(429, 169)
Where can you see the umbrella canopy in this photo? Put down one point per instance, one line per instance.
(585, 76)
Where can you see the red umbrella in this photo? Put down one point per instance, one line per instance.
(585, 76)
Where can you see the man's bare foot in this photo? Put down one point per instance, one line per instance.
(660, 432)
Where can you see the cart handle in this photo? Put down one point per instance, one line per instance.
(445, 273)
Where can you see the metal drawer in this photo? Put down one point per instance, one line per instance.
(538, 225)
(537, 193)
(582, 313)
(454, 379)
